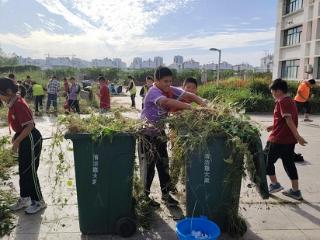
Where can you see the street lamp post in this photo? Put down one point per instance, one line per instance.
(218, 70)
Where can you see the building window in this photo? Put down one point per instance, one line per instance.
(292, 36)
(293, 5)
(290, 69)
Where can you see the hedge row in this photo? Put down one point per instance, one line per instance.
(253, 95)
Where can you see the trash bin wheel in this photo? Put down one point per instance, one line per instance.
(126, 227)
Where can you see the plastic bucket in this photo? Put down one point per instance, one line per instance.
(197, 228)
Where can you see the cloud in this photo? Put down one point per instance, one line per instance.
(112, 28)
(256, 18)
(56, 7)
(120, 19)
(93, 45)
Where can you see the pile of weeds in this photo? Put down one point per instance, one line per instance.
(193, 128)
(99, 127)
(3, 116)
(7, 160)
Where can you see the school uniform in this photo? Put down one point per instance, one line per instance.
(19, 116)
(154, 150)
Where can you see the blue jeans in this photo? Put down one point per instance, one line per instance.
(52, 99)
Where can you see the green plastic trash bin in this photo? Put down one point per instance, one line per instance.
(104, 174)
(260, 161)
(213, 185)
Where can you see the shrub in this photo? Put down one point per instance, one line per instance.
(260, 86)
(253, 95)
(18, 69)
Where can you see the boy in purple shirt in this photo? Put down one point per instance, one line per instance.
(74, 90)
(160, 98)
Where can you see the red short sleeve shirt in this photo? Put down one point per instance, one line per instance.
(19, 115)
(104, 97)
(281, 133)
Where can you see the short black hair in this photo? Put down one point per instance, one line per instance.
(149, 77)
(190, 80)
(28, 77)
(7, 84)
(130, 77)
(54, 76)
(162, 72)
(72, 78)
(101, 78)
(312, 81)
(279, 84)
(11, 75)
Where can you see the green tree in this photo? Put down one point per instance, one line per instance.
(8, 60)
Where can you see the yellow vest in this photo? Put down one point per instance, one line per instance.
(37, 90)
(133, 90)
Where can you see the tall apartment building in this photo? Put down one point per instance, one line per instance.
(148, 64)
(266, 63)
(178, 59)
(158, 61)
(297, 48)
(191, 64)
(136, 63)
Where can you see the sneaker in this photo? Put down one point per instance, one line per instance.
(35, 207)
(273, 188)
(293, 194)
(21, 203)
(152, 202)
(169, 201)
(307, 120)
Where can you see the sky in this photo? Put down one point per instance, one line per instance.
(243, 29)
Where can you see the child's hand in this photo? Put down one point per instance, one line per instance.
(204, 103)
(301, 141)
(15, 147)
(269, 129)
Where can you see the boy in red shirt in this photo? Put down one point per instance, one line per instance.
(104, 95)
(27, 141)
(283, 138)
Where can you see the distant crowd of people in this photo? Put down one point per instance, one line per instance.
(31, 90)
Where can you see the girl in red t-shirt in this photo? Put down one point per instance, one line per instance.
(104, 95)
(27, 141)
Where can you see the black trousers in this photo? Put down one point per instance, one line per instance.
(133, 100)
(153, 154)
(286, 153)
(303, 107)
(29, 156)
(38, 102)
(74, 105)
